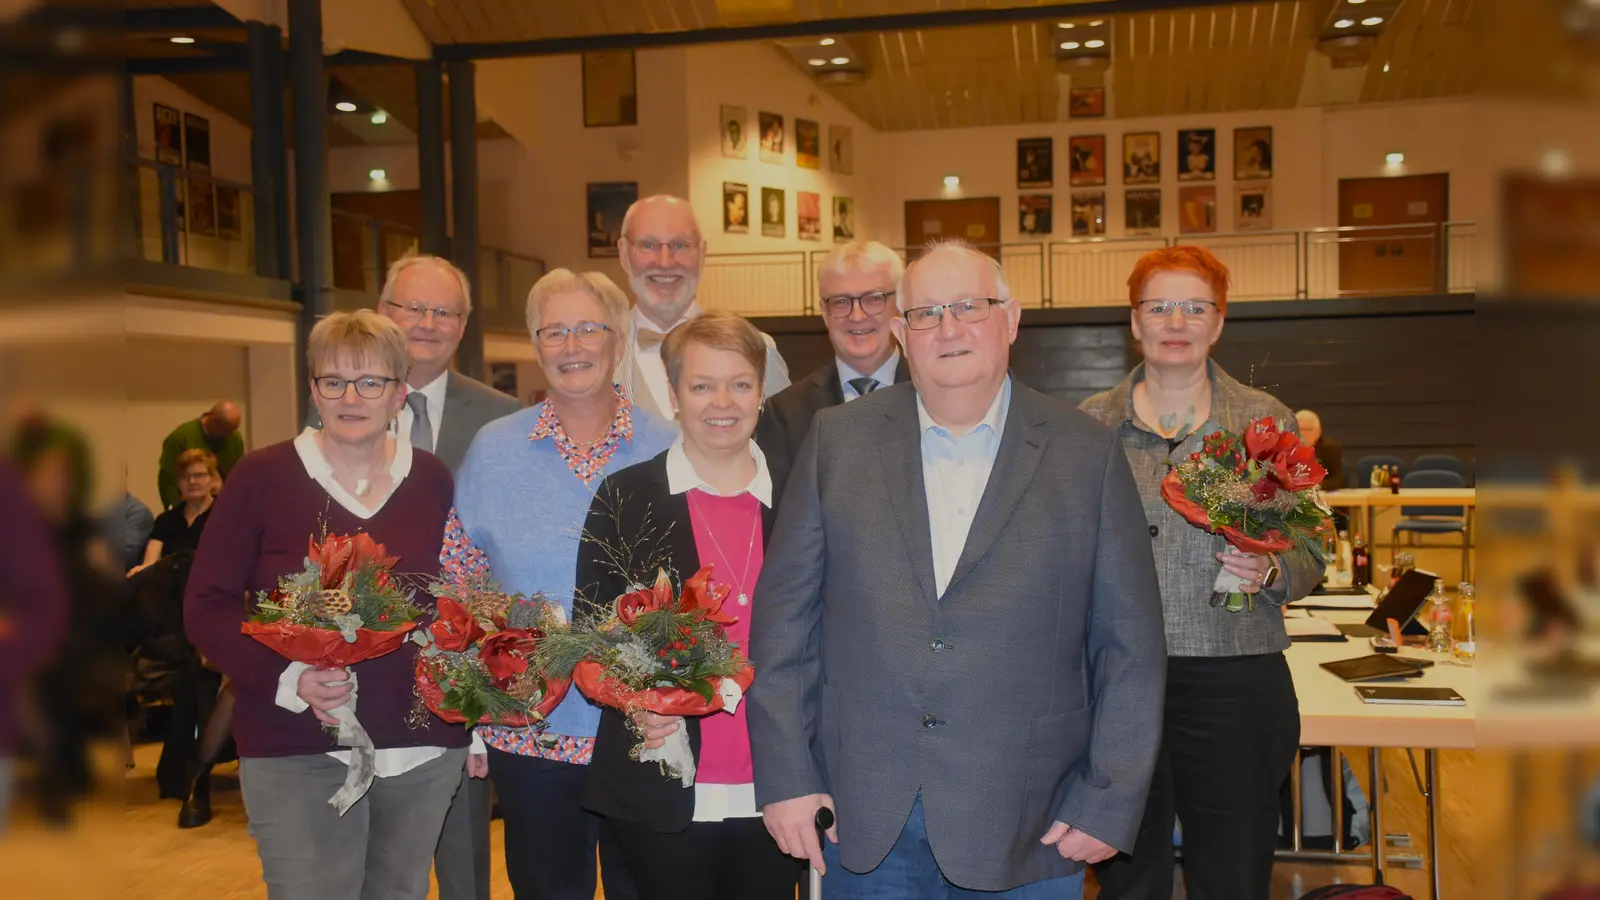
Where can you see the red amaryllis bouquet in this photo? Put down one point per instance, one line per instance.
(662, 654)
(1260, 490)
(477, 663)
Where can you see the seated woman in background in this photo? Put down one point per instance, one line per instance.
(706, 501)
(178, 529)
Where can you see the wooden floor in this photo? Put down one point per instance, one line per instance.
(218, 862)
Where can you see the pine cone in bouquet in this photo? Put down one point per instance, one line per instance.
(329, 604)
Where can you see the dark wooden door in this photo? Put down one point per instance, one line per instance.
(975, 220)
(1399, 247)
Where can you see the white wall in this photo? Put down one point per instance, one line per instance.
(230, 138)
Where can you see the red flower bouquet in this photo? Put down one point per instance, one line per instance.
(1260, 490)
(477, 663)
(662, 655)
(342, 609)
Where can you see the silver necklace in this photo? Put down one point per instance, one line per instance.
(749, 554)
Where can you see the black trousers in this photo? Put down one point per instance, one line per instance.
(1232, 725)
(734, 859)
(550, 838)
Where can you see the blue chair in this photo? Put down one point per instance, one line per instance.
(1361, 475)
(1415, 520)
(1439, 462)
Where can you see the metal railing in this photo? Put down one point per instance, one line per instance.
(188, 218)
(1265, 265)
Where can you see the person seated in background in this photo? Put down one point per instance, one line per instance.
(178, 529)
(1329, 453)
(216, 430)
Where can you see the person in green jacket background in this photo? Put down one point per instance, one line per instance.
(216, 430)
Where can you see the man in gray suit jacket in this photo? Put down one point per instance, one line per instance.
(957, 630)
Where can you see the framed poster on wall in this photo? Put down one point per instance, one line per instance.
(1086, 102)
(807, 144)
(1252, 209)
(610, 89)
(1087, 160)
(841, 150)
(735, 208)
(169, 136)
(771, 137)
(1034, 214)
(735, 133)
(1035, 162)
(1141, 212)
(608, 203)
(1252, 153)
(844, 219)
(808, 206)
(1197, 209)
(774, 217)
(197, 143)
(1088, 213)
(1197, 154)
(1141, 157)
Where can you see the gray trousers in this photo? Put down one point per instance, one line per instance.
(379, 850)
(461, 862)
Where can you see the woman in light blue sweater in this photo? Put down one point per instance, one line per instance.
(522, 494)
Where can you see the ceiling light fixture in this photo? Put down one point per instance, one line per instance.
(1344, 23)
(1070, 45)
(181, 39)
(817, 61)
(952, 181)
(1369, 21)
(1066, 25)
(378, 175)
(840, 60)
(380, 117)
(345, 106)
(1556, 163)
(1097, 23)
(827, 42)
(1386, 67)
(1394, 159)
(1094, 44)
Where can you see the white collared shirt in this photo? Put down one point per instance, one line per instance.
(434, 391)
(716, 802)
(651, 369)
(884, 376)
(955, 471)
(395, 760)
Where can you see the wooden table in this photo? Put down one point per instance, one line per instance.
(1332, 715)
(1366, 500)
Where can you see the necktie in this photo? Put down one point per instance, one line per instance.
(421, 425)
(865, 385)
(649, 339)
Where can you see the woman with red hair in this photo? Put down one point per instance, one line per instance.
(1232, 719)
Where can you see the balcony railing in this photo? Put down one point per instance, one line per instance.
(1265, 265)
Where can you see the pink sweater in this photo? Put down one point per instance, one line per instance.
(727, 536)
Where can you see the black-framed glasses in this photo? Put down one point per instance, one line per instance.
(368, 387)
(841, 305)
(588, 333)
(413, 313)
(1191, 309)
(923, 318)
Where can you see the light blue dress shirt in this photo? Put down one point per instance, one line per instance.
(955, 471)
(884, 376)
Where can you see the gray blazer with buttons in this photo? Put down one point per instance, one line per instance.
(1030, 692)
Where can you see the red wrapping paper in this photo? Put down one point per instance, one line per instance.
(323, 647)
(433, 696)
(661, 701)
(1195, 514)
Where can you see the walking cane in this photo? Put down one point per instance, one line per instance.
(823, 821)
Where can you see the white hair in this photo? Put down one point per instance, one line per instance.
(957, 246)
(861, 256)
(627, 217)
(1306, 415)
(417, 259)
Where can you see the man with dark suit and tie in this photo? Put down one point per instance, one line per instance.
(959, 640)
(429, 298)
(856, 284)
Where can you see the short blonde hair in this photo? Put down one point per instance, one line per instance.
(417, 259)
(861, 256)
(196, 456)
(719, 330)
(362, 336)
(605, 292)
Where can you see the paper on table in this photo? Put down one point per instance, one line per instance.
(1336, 601)
(1311, 626)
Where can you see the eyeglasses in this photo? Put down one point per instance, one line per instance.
(368, 387)
(840, 307)
(588, 333)
(1191, 309)
(416, 312)
(652, 247)
(923, 318)
(196, 476)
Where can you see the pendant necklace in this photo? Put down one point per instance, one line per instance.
(744, 579)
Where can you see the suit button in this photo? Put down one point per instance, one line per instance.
(1154, 531)
(929, 721)
(936, 644)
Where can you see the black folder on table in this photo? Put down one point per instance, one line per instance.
(1377, 666)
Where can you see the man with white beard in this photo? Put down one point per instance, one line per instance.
(663, 251)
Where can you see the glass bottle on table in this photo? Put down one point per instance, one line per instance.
(1360, 563)
(1465, 648)
(1439, 638)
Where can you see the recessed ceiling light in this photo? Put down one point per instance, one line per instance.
(1556, 163)
(1372, 20)
(181, 39)
(1344, 23)
(827, 42)
(817, 61)
(1094, 44)
(380, 117)
(839, 60)
(1394, 159)
(345, 106)
(1066, 24)
(952, 181)
(1355, 2)
(1386, 67)
(378, 175)
(1097, 23)
(1070, 45)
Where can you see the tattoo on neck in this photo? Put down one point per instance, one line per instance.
(1169, 424)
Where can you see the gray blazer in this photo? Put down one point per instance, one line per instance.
(1030, 692)
(468, 406)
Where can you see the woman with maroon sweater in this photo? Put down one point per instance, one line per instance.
(348, 476)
